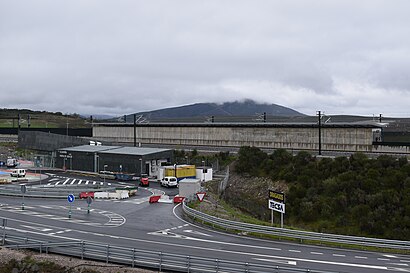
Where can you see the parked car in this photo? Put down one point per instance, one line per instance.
(169, 181)
(144, 180)
(85, 194)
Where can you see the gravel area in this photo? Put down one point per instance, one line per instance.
(67, 262)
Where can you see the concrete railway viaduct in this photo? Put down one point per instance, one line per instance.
(367, 138)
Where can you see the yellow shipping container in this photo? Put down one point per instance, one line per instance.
(183, 171)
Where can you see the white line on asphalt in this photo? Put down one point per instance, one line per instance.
(399, 264)
(360, 257)
(218, 250)
(65, 182)
(339, 255)
(292, 250)
(389, 256)
(79, 182)
(383, 259)
(405, 261)
(73, 181)
(94, 182)
(277, 261)
(58, 182)
(38, 228)
(316, 253)
(87, 182)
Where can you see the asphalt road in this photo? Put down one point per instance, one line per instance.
(138, 224)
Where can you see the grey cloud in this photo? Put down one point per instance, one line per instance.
(119, 57)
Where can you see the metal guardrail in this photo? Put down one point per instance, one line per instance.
(145, 258)
(297, 234)
(47, 191)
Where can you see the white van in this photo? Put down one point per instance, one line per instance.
(18, 173)
(169, 181)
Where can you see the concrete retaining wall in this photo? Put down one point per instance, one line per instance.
(305, 137)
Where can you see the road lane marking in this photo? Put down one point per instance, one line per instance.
(196, 232)
(339, 255)
(316, 253)
(86, 182)
(94, 182)
(37, 228)
(65, 182)
(72, 182)
(360, 257)
(399, 264)
(383, 259)
(79, 182)
(277, 261)
(219, 250)
(296, 251)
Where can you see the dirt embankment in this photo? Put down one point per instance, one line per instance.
(17, 261)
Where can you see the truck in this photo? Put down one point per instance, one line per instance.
(144, 180)
(178, 171)
(18, 173)
(11, 162)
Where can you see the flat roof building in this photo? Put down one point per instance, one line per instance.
(113, 158)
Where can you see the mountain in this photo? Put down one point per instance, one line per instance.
(237, 108)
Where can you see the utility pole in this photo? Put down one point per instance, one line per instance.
(380, 118)
(319, 114)
(135, 130)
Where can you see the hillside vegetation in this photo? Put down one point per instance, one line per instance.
(355, 195)
(40, 119)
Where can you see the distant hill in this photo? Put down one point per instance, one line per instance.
(40, 119)
(245, 108)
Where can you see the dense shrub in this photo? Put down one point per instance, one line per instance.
(352, 195)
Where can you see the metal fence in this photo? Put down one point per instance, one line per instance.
(296, 234)
(145, 258)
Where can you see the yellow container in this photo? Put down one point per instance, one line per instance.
(182, 171)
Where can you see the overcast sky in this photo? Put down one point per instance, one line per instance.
(124, 56)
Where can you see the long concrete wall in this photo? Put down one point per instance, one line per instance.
(341, 139)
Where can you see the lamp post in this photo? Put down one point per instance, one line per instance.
(105, 166)
(140, 166)
(319, 114)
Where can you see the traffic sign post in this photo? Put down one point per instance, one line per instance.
(23, 191)
(70, 199)
(89, 201)
(277, 203)
(201, 196)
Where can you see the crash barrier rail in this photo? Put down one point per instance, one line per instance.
(51, 192)
(145, 258)
(283, 233)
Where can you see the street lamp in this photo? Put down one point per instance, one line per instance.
(140, 166)
(105, 166)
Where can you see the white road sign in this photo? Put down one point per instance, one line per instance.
(276, 206)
